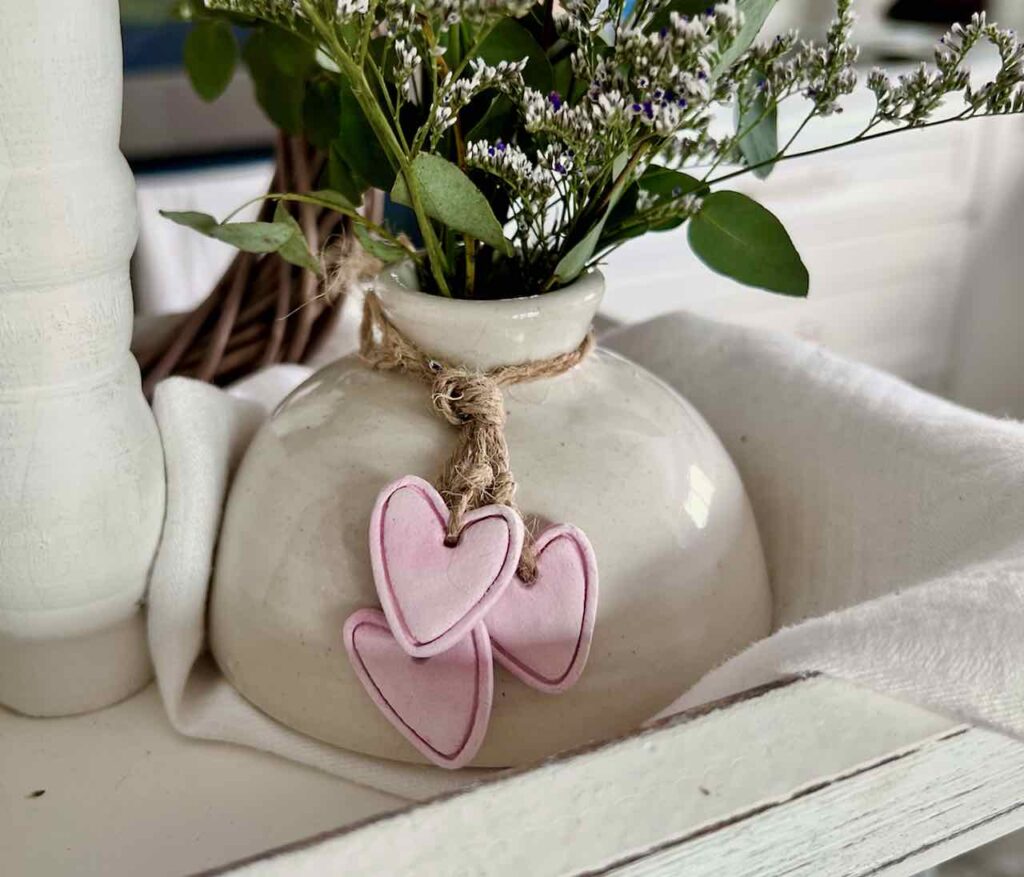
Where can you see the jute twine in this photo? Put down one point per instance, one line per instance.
(479, 471)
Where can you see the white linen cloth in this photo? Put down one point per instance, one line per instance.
(892, 523)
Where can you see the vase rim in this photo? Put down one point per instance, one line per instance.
(397, 279)
(499, 332)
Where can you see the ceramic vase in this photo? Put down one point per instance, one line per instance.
(605, 446)
(81, 477)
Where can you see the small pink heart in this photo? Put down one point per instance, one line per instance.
(442, 704)
(434, 594)
(541, 632)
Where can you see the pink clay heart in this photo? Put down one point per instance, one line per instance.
(541, 633)
(442, 704)
(434, 594)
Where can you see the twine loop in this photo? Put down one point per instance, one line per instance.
(478, 472)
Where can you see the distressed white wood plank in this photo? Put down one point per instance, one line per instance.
(955, 846)
(880, 818)
(818, 744)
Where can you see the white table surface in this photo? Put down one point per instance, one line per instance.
(123, 793)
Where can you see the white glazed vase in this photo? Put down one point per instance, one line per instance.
(81, 477)
(605, 446)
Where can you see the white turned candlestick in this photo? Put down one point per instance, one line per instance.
(81, 467)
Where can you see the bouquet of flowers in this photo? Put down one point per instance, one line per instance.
(529, 140)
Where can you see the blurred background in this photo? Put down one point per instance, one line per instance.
(914, 242)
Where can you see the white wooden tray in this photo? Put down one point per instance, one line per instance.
(810, 776)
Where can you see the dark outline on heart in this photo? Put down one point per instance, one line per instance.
(483, 695)
(588, 564)
(490, 592)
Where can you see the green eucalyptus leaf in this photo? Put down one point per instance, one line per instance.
(253, 237)
(358, 143)
(494, 122)
(342, 178)
(573, 262)
(210, 56)
(737, 237)
(661, 182)
(450, 197)
(761, 142)
(296, 248)
(331, 199)
(755, 13)
(291, 54)
(665, 182)
(509, 41)
(201, 222)
(280, 93)
(321, 114)
(562, 76)
(386, 251)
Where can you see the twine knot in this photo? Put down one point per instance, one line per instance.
(461, 396)
(479, 470)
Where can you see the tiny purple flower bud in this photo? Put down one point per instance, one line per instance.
(637, 108)
(648, 109)
(555, 99)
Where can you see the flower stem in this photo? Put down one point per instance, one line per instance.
(860, 138)
(382, 128)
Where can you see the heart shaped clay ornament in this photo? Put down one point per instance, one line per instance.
(441, 705)
(541, 632)
(433, 594)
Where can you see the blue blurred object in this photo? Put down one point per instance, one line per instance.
(153, 46)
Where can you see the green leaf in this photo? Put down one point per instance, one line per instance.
(253, 237)
(291, 54)
(572, 263)
(342, 178)
(296, 248)
(450, 197)
(510, 41)
(331, 199)
(201, 222)
(665, 182)
(661, 182)
(321, 114)
(386, 251)
(755, 13)
(279, 92)
(494, 121)
(358, 143)
(737, 237)
(761, 143)
(210, 56)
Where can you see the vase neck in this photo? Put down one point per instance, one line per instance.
(490, 334)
